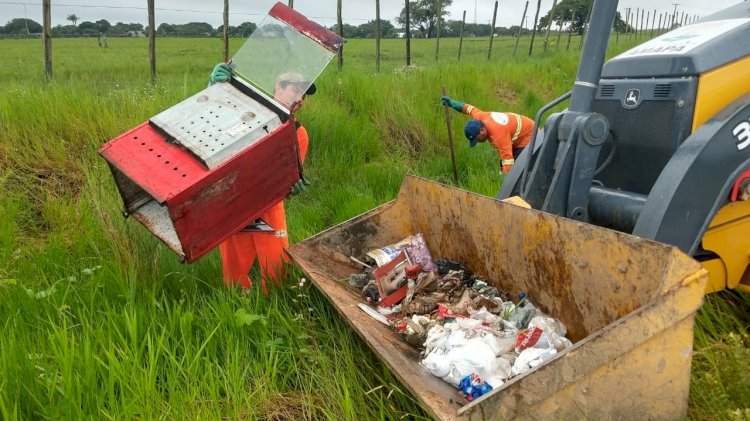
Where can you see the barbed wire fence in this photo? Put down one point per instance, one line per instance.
(635, 23)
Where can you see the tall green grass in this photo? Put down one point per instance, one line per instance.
(99, 320)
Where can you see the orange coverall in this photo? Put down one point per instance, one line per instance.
(506, 132)
(238, 252)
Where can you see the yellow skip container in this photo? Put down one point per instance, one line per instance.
(629, 304)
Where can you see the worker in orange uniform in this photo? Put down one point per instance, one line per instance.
(239, 251)
(509, 133)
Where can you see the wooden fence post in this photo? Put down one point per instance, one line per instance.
(533, 29)
(549, 24)
(617, 33)
(226, 31)
(635, 28)
(377, 35)
(627, 21)
(341, 33)
(461, 36)
(408, 35)
(520, 27)
(152, 40)
(659, 27)
(438, 15)
(570, 28)
(585, 24)
(559, 30)
(492, 31)
(653, 22)
(47, 39)
(640, 29)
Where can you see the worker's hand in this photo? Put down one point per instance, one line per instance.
(506, 168)
(221, 73)
(458, 106)
(299, 186)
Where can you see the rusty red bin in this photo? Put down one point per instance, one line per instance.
(203, 169)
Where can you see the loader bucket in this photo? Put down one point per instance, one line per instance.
(629, 304)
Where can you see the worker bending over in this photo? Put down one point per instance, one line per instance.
(509, 133)
(239, 251)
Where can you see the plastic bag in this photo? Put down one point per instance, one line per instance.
(472, 386)
(470, 356)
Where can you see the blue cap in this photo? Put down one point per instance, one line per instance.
(471, 130)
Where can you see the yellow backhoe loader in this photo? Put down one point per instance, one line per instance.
(655, 142)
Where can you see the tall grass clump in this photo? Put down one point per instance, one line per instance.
(100, 320)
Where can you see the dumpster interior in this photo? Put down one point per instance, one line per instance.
(587, 277)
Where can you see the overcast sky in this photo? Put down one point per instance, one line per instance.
(355, 12)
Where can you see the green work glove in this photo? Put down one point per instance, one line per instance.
(299, 186)
(458, 106)
(221, 73)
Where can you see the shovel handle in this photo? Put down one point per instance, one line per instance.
(450, 137)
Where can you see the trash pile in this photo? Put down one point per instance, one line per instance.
(471, 335)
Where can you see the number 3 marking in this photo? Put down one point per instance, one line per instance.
(742, 133)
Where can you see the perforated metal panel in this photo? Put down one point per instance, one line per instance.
(217, 122)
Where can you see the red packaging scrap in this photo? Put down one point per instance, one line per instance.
(528, 338)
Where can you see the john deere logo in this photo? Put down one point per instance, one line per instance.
(632, 98)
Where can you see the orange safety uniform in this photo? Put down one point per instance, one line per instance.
(506, 132)
(238, 252)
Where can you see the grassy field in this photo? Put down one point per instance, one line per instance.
(99, 320)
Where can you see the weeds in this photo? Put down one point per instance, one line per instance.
(99, 319)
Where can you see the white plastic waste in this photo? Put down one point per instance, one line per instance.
(549, 325)
(471, 356)
(530, 358)
(455, 350)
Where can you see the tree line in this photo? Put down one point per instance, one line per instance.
(22, 26)
(423, 22)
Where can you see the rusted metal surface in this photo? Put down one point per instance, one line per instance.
(188, 206)
(628, 303)
(321, 35)
(217, 123)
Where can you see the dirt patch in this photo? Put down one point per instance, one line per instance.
(289, 406)
(506, 93)
(410, 140)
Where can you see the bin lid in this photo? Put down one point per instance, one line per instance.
(217, 123)
(287, 52)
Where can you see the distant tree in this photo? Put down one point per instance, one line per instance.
(166, 29)
(63, 30)
(477, 30)
(103, 25)
(573, 13)
(88, 28)
(451, 28)
(503, 31)
(121, 28)
(118, 29)
(423, 16)
(242, 31)
(73, 18)
(220, 31)
(367, 30)
(192, 29)
(196, 29)
(245, 29)
(20, 25)
(350, 31)
(620, 24)
(514, 30)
